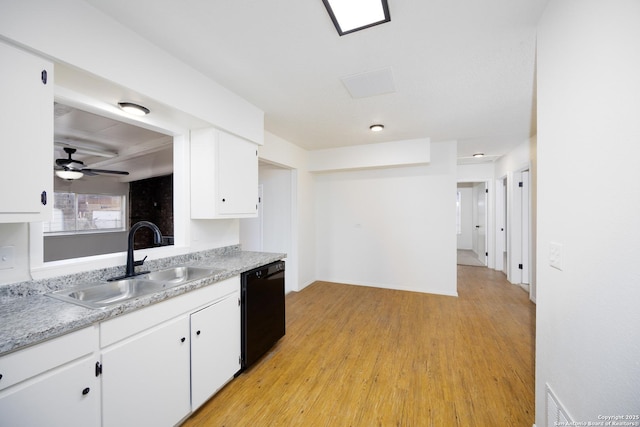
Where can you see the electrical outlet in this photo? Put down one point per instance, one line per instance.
(7, 257)
(555, 255)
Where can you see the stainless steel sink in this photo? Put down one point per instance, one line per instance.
(106, 294)
(179, 275)
(102, 295)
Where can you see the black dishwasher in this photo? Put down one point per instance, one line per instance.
(262, 307)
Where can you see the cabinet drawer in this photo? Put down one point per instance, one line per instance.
(23, 364)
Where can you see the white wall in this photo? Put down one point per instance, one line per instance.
(464, 240)
(588, 316)
(397, 153)
(392, 227)
(16, 235)
(476, 172)
(517, 159)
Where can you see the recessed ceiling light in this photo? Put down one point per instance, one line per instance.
(349, 16)
(376, 128)
(132, 108)
(478, 155)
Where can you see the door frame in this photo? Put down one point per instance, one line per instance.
(501, 224)
(291, 230)
(515, 228)
(489, 217)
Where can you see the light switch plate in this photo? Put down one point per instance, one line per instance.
(7, 257)
(555, 255)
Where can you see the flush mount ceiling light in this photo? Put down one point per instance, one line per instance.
(354, 15)
(69, 174)
(478, 155)
(376, 128)
(134, 109)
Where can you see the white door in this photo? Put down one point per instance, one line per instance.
(501, 216)
(480, 221)
(525, 259)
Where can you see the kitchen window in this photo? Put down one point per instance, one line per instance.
(86, 213)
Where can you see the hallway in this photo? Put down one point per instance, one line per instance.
(362, 356)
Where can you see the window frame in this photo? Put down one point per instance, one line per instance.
(70, 232)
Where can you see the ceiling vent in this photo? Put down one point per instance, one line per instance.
(370, 83)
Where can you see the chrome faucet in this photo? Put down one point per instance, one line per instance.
(157, 239)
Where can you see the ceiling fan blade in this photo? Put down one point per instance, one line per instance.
(98, 171)
(69, 163)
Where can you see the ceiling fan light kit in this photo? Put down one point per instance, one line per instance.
(69, 175)
(133, 108)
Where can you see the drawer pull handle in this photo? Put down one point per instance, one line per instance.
(198, 333)
(182, 339)
(86, 391)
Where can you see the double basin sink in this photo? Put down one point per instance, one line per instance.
(106, 294)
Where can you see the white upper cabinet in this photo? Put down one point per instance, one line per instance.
(224, 175)
(26, 129)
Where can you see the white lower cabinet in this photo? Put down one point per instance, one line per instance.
(145, 379)
(215, 348)
(148, 368)
(53, 383)
(161, 362)
(65, 397)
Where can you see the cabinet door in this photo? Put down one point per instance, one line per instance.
(224, 175)
(66, 396)
(215, 348)
(26, 120)
(145, 379)
(237, 176)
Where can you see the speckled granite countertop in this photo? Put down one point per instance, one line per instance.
(28, 316)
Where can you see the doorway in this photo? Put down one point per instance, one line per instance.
(520, 235)
(274, 228)
(472, 223)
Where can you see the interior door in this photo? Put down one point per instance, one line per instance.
(525, 212)
(480, 221)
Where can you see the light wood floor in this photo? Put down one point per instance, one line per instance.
(359, 356)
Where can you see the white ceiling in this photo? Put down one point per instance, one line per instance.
(105, 143)
(462, 70)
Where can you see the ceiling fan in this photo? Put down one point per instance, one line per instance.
(70, 169)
